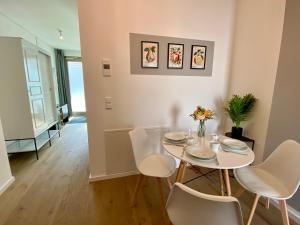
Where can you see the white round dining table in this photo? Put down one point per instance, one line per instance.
(223, 162)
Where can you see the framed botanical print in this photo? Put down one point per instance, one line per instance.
(198, 57)
(150, 54)
(175, 56)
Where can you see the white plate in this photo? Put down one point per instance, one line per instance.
(233, 143)
(175, 136)
(226, 147)
(169, 140)
(237, 151)
(204, 154)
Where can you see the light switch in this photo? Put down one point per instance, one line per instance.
(106, 67)
(108, 102)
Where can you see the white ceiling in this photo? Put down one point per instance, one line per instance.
(44, 17)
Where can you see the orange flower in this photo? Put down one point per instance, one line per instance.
(200, 117)
(206, 113)
(202, 114)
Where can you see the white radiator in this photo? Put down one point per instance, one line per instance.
(118, 149)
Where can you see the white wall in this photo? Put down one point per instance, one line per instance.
(72, 53)
(146, 100)
(257, 40)
(5, 174)
(284, 123)
(8, 28)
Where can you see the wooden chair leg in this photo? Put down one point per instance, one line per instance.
(221, 182)
(253, 209)
(170, 183)
(181, 171)
(227, 180)
(136, 190)
(284, 212)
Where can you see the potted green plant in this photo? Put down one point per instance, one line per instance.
(239, 109)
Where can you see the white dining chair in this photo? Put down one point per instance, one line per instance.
(276, 178)
(150, 161)
(187, 206)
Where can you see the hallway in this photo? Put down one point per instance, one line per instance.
(43, 189)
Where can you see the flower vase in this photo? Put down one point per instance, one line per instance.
(201, 128)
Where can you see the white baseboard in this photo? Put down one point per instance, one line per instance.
(4, 187)
(293, 213)
(111, 176)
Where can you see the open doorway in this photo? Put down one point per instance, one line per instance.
(76, 83)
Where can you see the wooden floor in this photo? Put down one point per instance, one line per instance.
(55, 190)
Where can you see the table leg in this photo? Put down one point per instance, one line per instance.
(221, 182)
(36, 149)
(227, 180)
(181, 171)
(267, 203)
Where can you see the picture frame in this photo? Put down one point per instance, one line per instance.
(149, 54)
(198, 57)
(175, 56)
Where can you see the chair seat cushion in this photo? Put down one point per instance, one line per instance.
(261, 182)
(158, 165)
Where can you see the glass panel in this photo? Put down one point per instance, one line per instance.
(76, 86)
(38, 112)
(32, 67)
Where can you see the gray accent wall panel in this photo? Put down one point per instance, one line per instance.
(135, 56)
(284, 122)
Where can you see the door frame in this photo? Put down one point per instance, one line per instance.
(73, 59)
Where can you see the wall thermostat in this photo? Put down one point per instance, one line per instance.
(106, 67)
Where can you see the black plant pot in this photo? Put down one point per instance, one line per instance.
(236, 132)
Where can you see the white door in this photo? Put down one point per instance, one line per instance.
(35, 90)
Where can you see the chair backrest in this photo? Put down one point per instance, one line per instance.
(141, 145)
(186, 206)
(284, 164)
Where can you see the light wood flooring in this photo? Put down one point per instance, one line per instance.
(55, 191)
